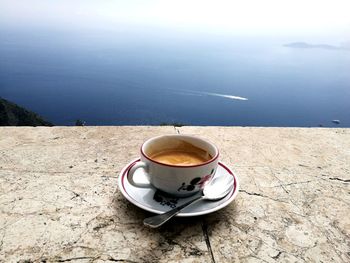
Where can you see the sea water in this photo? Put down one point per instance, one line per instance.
(144, 77)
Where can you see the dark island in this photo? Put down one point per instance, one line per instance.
(13, 115)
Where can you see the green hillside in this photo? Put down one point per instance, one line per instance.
(14, 115)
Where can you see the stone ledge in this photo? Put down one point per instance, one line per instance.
(59, 200)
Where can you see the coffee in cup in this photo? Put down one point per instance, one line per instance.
(184, 154)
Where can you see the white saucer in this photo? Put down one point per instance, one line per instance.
(154, 201)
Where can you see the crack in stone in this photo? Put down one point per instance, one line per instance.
(336, 178)
(264, 196)
(73, 192)
(2, 239)
(87, 224)
(244, 191)
(304, 182)
(256, 250)
(207, 240)
(282, 186)
(99, 257)
(189, 249)
(261, 259)
(119, 260)
(76, 258)
(77, 195)
(339, 179)
(277, 256)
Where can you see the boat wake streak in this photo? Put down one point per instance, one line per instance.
(202, 93)
(225, 96)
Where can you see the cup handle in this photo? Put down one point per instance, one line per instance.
(130, 176)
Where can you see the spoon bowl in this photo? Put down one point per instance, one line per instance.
(217, 188)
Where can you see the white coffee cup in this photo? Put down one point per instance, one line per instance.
(174, 179)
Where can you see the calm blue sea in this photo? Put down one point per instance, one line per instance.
(133, 78)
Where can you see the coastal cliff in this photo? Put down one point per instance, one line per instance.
(13, 115)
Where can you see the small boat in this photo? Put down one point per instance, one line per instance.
(336, 121)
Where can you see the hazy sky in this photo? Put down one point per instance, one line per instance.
(236, 17)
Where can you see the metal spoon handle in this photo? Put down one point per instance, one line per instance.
(158, 220)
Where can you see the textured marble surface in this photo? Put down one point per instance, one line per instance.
(59, 199)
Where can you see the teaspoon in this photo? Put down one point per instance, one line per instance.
(216, 189)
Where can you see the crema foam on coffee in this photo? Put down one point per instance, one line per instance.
(184, 154)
